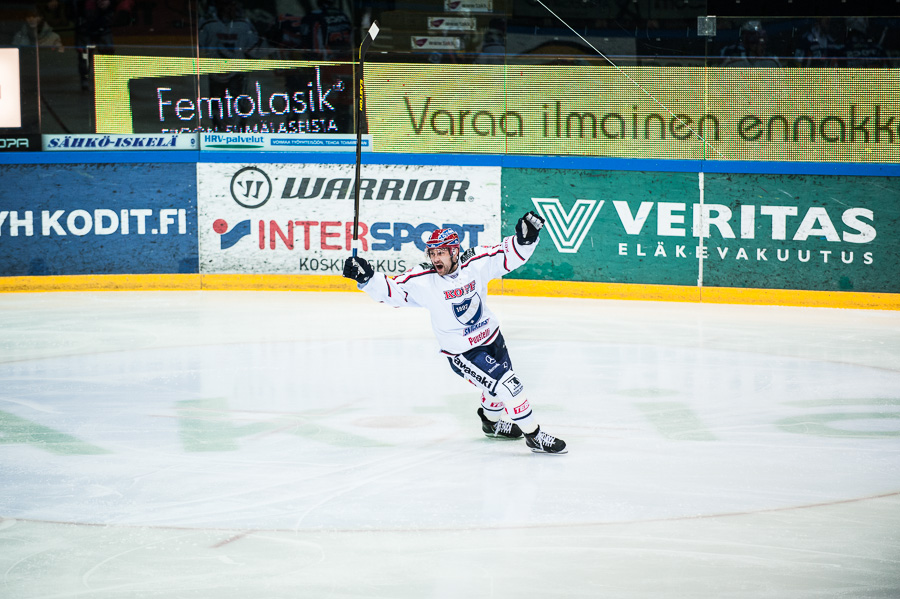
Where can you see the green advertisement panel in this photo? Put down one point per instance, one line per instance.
(814, 115)
(605, 225)
(827, 233)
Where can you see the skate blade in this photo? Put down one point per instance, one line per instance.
(565, 450)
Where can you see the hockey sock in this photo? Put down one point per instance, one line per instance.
(493, 408)
(522, 415)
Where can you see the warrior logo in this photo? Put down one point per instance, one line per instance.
(251, 187)
(468, 311)
(567, 230)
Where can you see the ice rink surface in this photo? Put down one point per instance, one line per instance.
(268, 445)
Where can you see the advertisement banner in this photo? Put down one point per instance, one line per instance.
(444, 23)
(278, 142)
(432, 42)
(107, 142)
(141, 94)
(464, 6)
(17, 142)
(80, 219)
(298, 218)
(828, 233)
(845, 115)
(589, 214)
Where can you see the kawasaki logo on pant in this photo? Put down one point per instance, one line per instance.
(476, 375)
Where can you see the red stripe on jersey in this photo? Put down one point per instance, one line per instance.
(414, 275)
(517, 252)
(492, 252)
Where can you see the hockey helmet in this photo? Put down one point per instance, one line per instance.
(442, 238)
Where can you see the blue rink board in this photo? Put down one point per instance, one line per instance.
(502, 160)
(107, 218)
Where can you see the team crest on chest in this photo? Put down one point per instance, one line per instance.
(469, 310)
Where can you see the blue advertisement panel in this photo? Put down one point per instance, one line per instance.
(74, 219)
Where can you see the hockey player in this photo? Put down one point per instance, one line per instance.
(452, 287)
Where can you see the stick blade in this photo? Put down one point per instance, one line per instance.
(371, 34)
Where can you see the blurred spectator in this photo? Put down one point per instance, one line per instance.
(493, 46)
(37, 33)
(860, 48)
(226, 34)
(54, 13)
(267, 28)
(290, 38)
(750, 49)
(328, 32)
(818, 47)
(94, 22)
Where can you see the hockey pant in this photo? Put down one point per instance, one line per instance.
(489, 368)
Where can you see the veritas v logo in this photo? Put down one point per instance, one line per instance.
(567, 229)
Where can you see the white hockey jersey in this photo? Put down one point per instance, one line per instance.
(459, 316)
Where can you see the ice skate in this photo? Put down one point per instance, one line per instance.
(500, 429)
(541, 442)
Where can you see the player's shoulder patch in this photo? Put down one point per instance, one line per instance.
(467, 255)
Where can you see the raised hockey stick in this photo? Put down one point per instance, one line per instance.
(371, 34)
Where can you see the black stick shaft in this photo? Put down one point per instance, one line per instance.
(360, 115)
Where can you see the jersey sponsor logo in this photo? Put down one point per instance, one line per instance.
(479, 337)
(475, 327)
(468, 311)
(459, 291)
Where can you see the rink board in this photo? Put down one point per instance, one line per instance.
(757, 231)
(799, 238)
(98, 219)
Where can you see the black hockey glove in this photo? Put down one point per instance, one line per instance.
(528, 228)
(358, 269)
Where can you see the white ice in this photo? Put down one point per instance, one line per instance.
(268, 445)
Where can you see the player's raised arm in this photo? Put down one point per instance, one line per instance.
(376, 284)
(515, 250)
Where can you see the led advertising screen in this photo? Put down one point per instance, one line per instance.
(683, 113)
(188, 95)
(847, 115)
